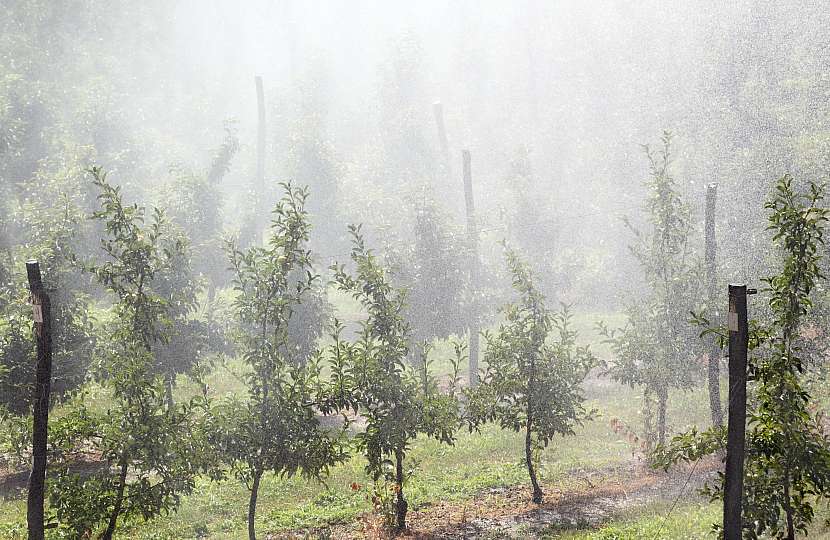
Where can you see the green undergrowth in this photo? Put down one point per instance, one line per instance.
(478, 462)
(655, 521)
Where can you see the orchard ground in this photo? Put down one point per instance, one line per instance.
(597, 483)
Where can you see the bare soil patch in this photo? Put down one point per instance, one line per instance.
(507, 512)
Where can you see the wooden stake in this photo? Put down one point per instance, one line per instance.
(260, 155)
(42, 312)
(711, 278)
(472, 232)
(734, 474)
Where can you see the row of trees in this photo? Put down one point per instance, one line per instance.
(531, 383)
(787, 465)
(149, 449)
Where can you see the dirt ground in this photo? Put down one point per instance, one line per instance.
(509, 512)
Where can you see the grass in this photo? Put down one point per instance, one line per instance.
(477, 462)
(689, 521)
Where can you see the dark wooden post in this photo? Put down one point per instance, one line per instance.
(41, 309)
(734, 479)
(260, 156)
(711, 278)
(446, 165)
(472, 233)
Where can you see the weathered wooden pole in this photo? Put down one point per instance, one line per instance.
(734, 474)
(41, 309)
(472, 233)
(711, 278)
(260, 156)
(446, 164)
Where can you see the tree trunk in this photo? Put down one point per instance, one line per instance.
(119, 499)
(537, 491)
(475, 262)
(714, 386)
(788, 509)
(261, 194)
(662, 398)
(252, 504)
(648, 418)
(211, 297)
(401, 505)
(711, 278)
(169, 378)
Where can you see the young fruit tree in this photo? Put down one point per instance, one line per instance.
(656, 348)
(431, 270)
(787, 463)
(372, 377)
(152, 452)
(533, 379)
(276, 428)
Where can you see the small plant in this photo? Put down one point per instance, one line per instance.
(152, 450)
(371, 377)
(276, 429)
(532, 381)
(655, 348)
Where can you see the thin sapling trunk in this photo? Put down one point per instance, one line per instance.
(119, 499)
(252, 504)
(662, 399)
(537, 491)
(401, 505)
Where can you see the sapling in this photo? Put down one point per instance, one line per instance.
(533, 379)
(655, 349)
(276, 429)
(372, 377)
(151, 451)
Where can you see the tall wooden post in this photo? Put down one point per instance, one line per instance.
(42, 312)
(711, 278)
(446, 165)
(260, 156)
(734, 474)
(472, 233)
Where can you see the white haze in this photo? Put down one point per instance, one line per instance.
(581, 84)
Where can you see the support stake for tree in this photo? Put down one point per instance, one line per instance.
(260, 154)
(41, 309)
(734, 474)
(472, 232)
(711, 278)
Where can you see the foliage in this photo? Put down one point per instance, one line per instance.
(408, 156)
(53, 233)
(530, 225)
(194, 201)
(311, 160)
(431, 270)
(656, 349)
(787, 465)
(150, 447)
(276, 429)
(532, 383)
(371, 377)
(308, 323)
